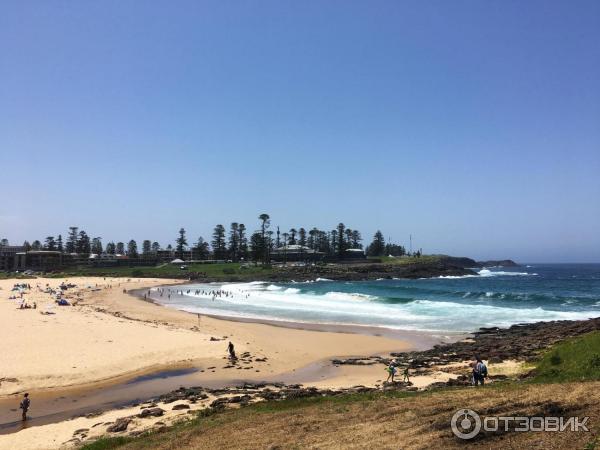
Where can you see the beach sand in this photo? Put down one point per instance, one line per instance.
(109, 335)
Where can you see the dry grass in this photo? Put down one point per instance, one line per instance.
(420, 421)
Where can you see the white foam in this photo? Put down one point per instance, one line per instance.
(348, 296)
(451, 277)
(301, 304)
(499, 273)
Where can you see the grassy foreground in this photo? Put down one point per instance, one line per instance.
(403, 420)
(572, 360)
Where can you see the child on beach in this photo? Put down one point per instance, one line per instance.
(405, 376)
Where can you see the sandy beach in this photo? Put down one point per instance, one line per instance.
(106, 336)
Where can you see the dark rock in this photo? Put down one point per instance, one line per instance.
(151, 412)
(120, 424)
(180, 406)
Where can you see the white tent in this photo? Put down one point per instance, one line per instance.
(177, 261)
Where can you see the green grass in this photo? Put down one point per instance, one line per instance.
(229, 271)
(425, 259)
(576, 359)
(108, 443)
(17, 276)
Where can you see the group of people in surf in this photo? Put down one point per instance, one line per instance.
(214, 293)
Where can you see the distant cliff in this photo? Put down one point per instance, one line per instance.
(498, 263)
(459, 261)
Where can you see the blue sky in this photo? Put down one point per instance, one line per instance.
(473, 125)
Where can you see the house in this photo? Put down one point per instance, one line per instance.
(40, 260)
(354, 253)
(289, 253)
(7, 256)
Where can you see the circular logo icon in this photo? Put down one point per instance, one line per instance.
(465, 423)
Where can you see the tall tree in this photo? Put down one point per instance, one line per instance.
(292, 240)
(72, 239)
(146, 247)
(341, 243)
(83, 243)
(97, 245)
(234, 245)
(120, 248)
(181, 243)
(218, 242)
(59, 244)
(132, 250)
(278, 239)
(50, 243)
(257, 247)
(333, 241)
(111, 248)
(265, 222)
(269, 245)
(36, 245)
(312, 238)
(286, 239)
(394, 250)
(243, 241)
(26, 246)
(302, 237)
(348, 238)
(356, 238)
(3, 242)
(155, 246)
(377, 247)
(201, 250)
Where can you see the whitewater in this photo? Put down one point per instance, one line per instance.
(494, 297)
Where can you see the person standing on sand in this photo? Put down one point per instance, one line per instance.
(479, 371)
(231, 350)
(25, 406)
(391, 369)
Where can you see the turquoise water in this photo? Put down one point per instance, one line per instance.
(495, 297)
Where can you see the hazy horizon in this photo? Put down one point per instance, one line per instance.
(475, 127)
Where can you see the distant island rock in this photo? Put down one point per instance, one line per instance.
(461, 261)
(498, 263)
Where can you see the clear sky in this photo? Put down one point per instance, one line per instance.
(473, 125)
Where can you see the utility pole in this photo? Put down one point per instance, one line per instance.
(411, 245)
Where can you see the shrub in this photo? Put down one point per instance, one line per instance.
(555, 359)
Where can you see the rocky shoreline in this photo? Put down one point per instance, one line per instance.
(523, 343)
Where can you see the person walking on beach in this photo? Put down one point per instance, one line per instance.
(25, 406)
(479, 372)
(231, 350)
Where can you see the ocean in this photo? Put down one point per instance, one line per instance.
(495, 297)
